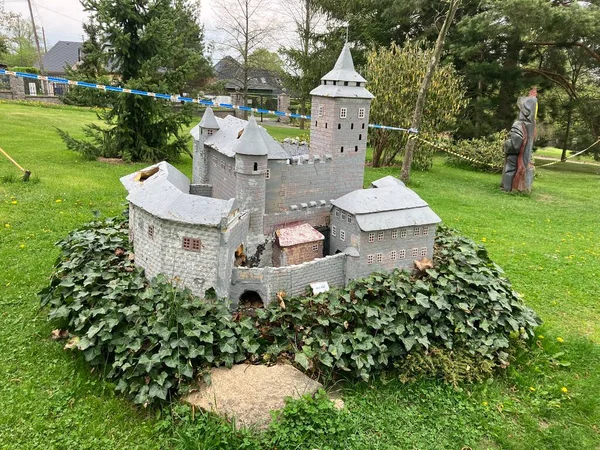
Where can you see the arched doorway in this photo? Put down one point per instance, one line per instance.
(249, 302)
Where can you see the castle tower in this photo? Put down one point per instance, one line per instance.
(251, 158)
(207, 127)
(340, 113)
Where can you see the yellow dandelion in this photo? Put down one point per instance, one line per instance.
(540, 337)
(58, 200)
(14, 202)
(484, 403)
(564, 390)
(483, 239)
(22, 246)
(7, 225)
(532, 389)
(559, 339)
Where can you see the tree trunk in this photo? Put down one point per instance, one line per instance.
(563, 157)
(418, 113)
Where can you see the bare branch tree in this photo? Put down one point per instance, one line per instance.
(246, 26)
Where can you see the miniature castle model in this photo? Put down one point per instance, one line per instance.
(260, 217)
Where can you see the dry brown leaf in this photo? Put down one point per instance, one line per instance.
(424, 264)
(59, 334)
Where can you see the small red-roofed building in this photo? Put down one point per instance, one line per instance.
(297, 244)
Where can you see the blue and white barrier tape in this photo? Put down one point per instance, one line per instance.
(177, 98)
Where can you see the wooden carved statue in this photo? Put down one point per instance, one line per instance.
(518, 148)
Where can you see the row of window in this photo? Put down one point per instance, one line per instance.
(187, 243)
(344, 216)
(334, 233)
(416, 231)
(340, 126)
(344, 112)
(397, 254)
(224, 166)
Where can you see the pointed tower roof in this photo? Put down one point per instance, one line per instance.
(208, 120)
(251, 141)
(344, 69)
(343, 81)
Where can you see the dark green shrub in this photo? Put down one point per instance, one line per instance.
(485, 154)
(464, 303)
(151, 338)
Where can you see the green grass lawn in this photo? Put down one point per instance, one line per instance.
(553, 152)
(548, 244)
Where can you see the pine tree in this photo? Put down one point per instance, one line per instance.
(155, 45)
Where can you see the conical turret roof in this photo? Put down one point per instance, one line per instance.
(344, 69)
(208, 120)
(251, 141)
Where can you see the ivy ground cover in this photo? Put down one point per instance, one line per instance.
(548, 245)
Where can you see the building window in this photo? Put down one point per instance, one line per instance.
(268, 174)
(215, 160)
(151, 232)
(343, 113)
(321, 110)
(425, 231)
(334, 231)
(361, 113)
(343, 216)
(337, 212)
(394, 234)
(424, 252)
(352, 126)
(360, 137)
(356, 148)
(403, 233)
(370, 259)
(339, 126)
(415, 253)
(349, 218)
(256, 167)
(209, 132)
(191, 244)
(363, 126)
(315, 247)
(379, 257)
(342, 150)
(393, 255)
(417, 231)
(402, 254)
(229, 168)
(371, 237)
(342, 235)
(325, 125)
(380, 236)
(316, 123)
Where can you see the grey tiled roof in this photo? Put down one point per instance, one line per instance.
(259, 80)
(64, 53)
(391, 206)
(166, 195)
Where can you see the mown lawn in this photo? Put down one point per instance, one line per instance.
(548, 244)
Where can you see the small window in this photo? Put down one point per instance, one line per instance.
(316, 123)
(394, 234)
(268, 174)
(342, 235)
(191, 244)
(151, 232)
(315, 247)
(417, 231)
(345, 83)
(256, 167)
(334, 231)
(325, 125)
(229, 168)
(209, 132)
(342, 150)
(339, 126)
(343, 113)
(393, 255)
(215, 160)
(379, 257)
(349, 218)
(425, 231)
(361, 113)
(343, 216)
(424, 252)
(402, 254)
(371, 237)
(403, 233)
(370, 259)
(337, 212)
(223, 165)
(356, 148)
(321, 110)
(415, 253)
(360, 137)
(380, 236)
(352, 126)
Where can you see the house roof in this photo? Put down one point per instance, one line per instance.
(251, 142)
(63, 53)
(165, 194)
(259, 80)
(386, 207)
(344, 69)
(387, 181)
(225, 139)
(298, 234)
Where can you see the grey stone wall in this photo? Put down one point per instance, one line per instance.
(204, 190)
(329, 133)
(250, 188)
(291, 279)
(343, 234)
(200, 161)
(231, 238)
(221, 174)
(317, 216)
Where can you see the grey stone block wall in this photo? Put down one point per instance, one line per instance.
(250, 188)
(221, 175)
(293, 280)
(204, 190)
(317, 216)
